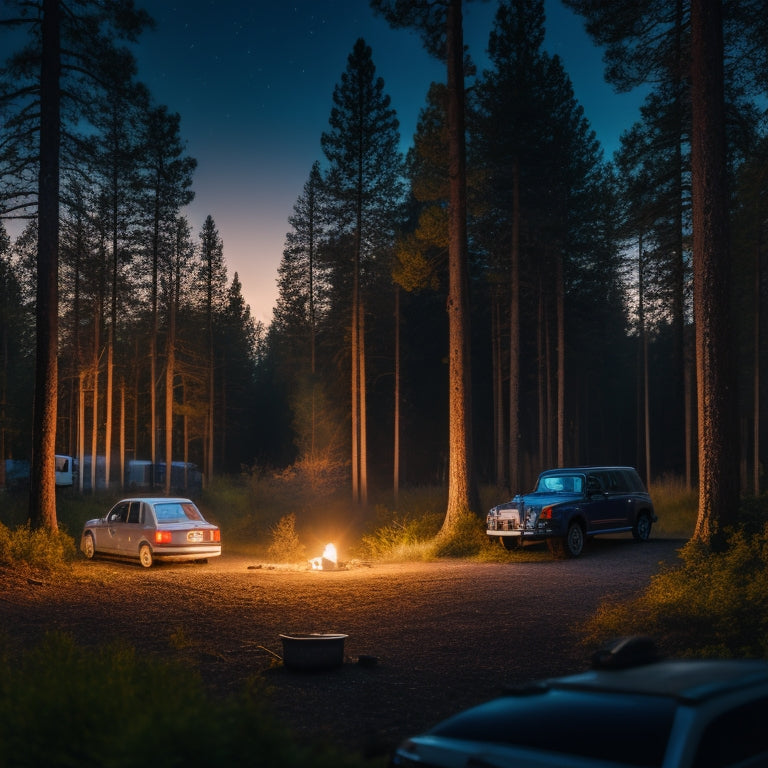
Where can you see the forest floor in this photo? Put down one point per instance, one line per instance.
(424, 640)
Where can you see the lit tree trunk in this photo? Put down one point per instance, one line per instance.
(169, 374)
(363, 415)
(462, 492)
(122, 433)
(81, 430)
(42, 495)
(355, 384)
(717, 421)
(396, 449)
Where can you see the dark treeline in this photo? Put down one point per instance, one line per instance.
(580, 275)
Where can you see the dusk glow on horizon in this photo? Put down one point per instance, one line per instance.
(253, 83)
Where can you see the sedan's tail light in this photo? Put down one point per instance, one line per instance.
(162, 537)
(546, 513)
(217, 535)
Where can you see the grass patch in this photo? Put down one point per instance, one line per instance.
(61, 704)
(676, 506)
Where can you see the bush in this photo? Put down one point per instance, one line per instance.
(714, 604)
(61, 704)
(37, 548)
(285, 546)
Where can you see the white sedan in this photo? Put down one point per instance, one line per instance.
(150, 529)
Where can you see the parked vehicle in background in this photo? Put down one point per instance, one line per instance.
(150, 529)
(631, 709)
(66, 471)
(570, 504)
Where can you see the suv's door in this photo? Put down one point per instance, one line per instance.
(618, 509)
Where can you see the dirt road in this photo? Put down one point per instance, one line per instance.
(443, 635)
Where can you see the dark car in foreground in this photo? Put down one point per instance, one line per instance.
(150, 529)
(656, 714)
(570, 504)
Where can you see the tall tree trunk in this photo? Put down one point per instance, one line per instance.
(646, 431)
(42, 495)
(462, 490)
(363, 415)
(717, 412)
(756, 373)
(560, 299)
(497, 389)
(170, 364)
(514, 336)
(396, 447)
(355, 385)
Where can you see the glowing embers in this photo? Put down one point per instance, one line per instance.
(328, 561)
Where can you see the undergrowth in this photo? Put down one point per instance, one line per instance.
(62, 704)
(710, 604)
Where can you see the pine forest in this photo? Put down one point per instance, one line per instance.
(498, 285)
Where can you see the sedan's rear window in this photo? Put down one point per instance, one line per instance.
(176, 512)
(599, 726)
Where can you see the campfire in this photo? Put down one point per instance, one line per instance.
(328, 561)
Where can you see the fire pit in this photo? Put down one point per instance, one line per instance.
(313, 651)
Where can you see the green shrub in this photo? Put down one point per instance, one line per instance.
(61, 704)
(285, 546)
(37, 548)
(713, 604)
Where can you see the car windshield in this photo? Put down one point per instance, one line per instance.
(560, 484)
(600, 726)
(176, 512)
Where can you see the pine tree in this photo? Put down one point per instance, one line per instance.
(363, 186)
(441, 27)
(58, 48)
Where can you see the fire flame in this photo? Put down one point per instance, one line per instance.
(327, 560)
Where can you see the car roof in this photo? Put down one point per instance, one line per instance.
(690, 680)
(596, 468)
(159, 499)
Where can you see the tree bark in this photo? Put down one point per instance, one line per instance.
(717, 412)
(462, 492)
(42, 495)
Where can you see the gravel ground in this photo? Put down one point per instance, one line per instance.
(424, 640)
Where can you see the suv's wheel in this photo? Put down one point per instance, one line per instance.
(642, 527)
(570, 545)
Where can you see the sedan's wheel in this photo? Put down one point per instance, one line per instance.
(145, 555)
(510, 542)
(89, 548)
(642, 528)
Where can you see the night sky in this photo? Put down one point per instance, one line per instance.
(253, 82)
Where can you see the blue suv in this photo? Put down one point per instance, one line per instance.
(570, 504)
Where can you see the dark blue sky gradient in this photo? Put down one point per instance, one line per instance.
(253, 83)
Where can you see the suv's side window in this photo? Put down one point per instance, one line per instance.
(594, 485)
(736, 737)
